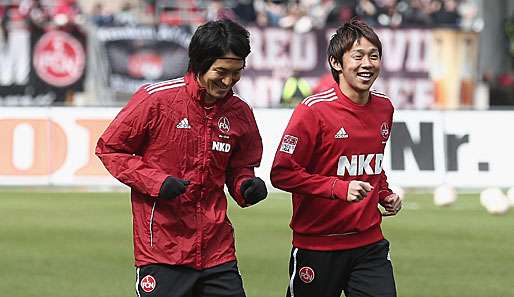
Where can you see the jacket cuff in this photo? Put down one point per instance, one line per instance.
(159, 180)
(240, 198)
(384, 193)
(339, 189)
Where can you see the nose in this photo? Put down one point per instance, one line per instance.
(227, 80)
(366, 62)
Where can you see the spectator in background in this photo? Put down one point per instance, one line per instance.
(294, 90)
(100, 17)
(216, 10)
(445, 13)
(68, 8)
(126, 16)
(388, 14)
(183, 239)
(245, 11)
(270, 12)
(342, 12)
(416, 14)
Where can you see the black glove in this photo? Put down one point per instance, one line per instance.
(253, 190)
(172, 187)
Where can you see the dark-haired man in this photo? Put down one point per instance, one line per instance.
(330, 159)
(176, 144)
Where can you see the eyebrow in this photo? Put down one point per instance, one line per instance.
(225, 69)
(360, 50)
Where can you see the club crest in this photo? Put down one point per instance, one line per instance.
(224, 125)
(306, 274)
(148, 283)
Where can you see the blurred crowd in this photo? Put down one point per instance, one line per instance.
(304, 15)
(40, 14)
(300, 15)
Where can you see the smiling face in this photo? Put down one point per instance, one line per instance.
(219, 79)
(360, 68)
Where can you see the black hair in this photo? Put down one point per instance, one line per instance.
(214, 40)
(344, 38)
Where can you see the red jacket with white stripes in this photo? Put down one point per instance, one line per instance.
(164, 130)
(329, 142)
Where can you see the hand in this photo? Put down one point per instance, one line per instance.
(392, 204)
(172, 187)
(253, 190)
(358, 190)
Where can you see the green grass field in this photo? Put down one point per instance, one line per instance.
(79, 245)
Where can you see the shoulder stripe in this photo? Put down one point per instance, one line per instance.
(318, 95)
(322, 100)
(312, 99)
(166, 87)
(162, 83)
(379, 94)
(241, 98)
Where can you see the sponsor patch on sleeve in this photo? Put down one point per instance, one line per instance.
(288, 144)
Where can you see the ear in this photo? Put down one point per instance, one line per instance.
(335, 64)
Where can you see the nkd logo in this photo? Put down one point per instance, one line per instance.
(360, 164)
(220, 146)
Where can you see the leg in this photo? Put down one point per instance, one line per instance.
(220, 281)
(372, 274)
(315, 274)
(158, 280)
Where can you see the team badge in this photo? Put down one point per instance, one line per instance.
(59, 59)
(148, 283)
(384, 130)
(224, 125)
(288, 144)
(306, 274)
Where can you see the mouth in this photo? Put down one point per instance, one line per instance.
(365, 75)
(222, 89)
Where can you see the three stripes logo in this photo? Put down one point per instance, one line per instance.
(341, 133)
(183, 124)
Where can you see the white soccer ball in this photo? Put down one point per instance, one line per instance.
(510, 195)
(487, 195)
(445, 195)
(494, 201)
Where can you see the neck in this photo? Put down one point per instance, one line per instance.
(357, 97)
(208, 100)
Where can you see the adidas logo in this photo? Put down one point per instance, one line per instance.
(184, 124)
(341, 133)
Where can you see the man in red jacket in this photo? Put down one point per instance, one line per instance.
(330, 159)
(176, 144)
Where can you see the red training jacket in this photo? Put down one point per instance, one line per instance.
(329, 142)
(165, 131)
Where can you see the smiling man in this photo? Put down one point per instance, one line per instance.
(330, 159)
(176, 144)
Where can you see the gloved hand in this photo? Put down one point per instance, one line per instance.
(172, 187)
(253, 190)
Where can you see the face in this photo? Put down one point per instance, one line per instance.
(223, 74)
(361, 66)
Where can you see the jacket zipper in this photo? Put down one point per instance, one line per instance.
(198, 206)
(151, 222)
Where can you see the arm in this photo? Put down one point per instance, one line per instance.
(383, 189)
(121, 145)
(295, 151)
(386, 197)
(245, 157)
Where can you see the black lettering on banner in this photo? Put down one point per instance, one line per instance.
(423, 151)
(452, 145)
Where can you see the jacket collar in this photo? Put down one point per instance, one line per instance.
(198, 92)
